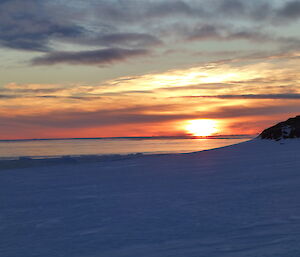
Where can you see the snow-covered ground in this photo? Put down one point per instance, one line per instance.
(236, 201)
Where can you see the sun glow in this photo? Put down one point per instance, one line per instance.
(214, 78)
(202, 127)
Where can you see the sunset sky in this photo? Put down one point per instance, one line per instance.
(103, 68)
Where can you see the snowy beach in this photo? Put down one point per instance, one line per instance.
(236, 201)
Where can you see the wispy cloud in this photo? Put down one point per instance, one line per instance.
(104, 117)
(249, 96)
(242, 111)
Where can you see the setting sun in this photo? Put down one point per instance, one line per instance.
(202, 127)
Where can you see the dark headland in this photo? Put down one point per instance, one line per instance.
(283, 130)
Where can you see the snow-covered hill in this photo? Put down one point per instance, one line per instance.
(237, 201)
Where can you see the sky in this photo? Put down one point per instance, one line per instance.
(106, 68)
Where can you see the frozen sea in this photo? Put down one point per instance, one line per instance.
(235, 201)
(13, 149)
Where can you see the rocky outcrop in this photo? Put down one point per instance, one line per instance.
(283, 130)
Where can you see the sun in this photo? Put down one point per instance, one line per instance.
(201, 128)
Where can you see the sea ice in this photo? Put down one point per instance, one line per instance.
(236, 201)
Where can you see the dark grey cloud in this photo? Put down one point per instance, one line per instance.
(94, 57)
(31, 25)
(129, 11)
(233, 7)
(36, 25)
(206, 32)
(132, 11)
(35, 40)
(262, 11)
(249, 35)
(171, 8)
(291, 10)
(255, 10)
(26, 25)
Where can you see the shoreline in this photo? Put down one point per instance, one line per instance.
(50, 149)
(43, 161)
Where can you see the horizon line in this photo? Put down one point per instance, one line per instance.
(131, 137)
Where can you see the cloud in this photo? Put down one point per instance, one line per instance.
(94, 57)
(2, 96)
(206, 32)
(63, 97)
(131, 11)
(251, 96)
(197, 87)
(105, 117)
(35, 40)
(66, 119)
(30, 91)
(133, 40)
(226, 33)
(36, 25)
(171, 8)
(249, 35)
(26, 25)
(291, 10)
(255, 10)
(242, 111)
(232, 7)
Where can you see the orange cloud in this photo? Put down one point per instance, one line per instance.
(238, 95)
